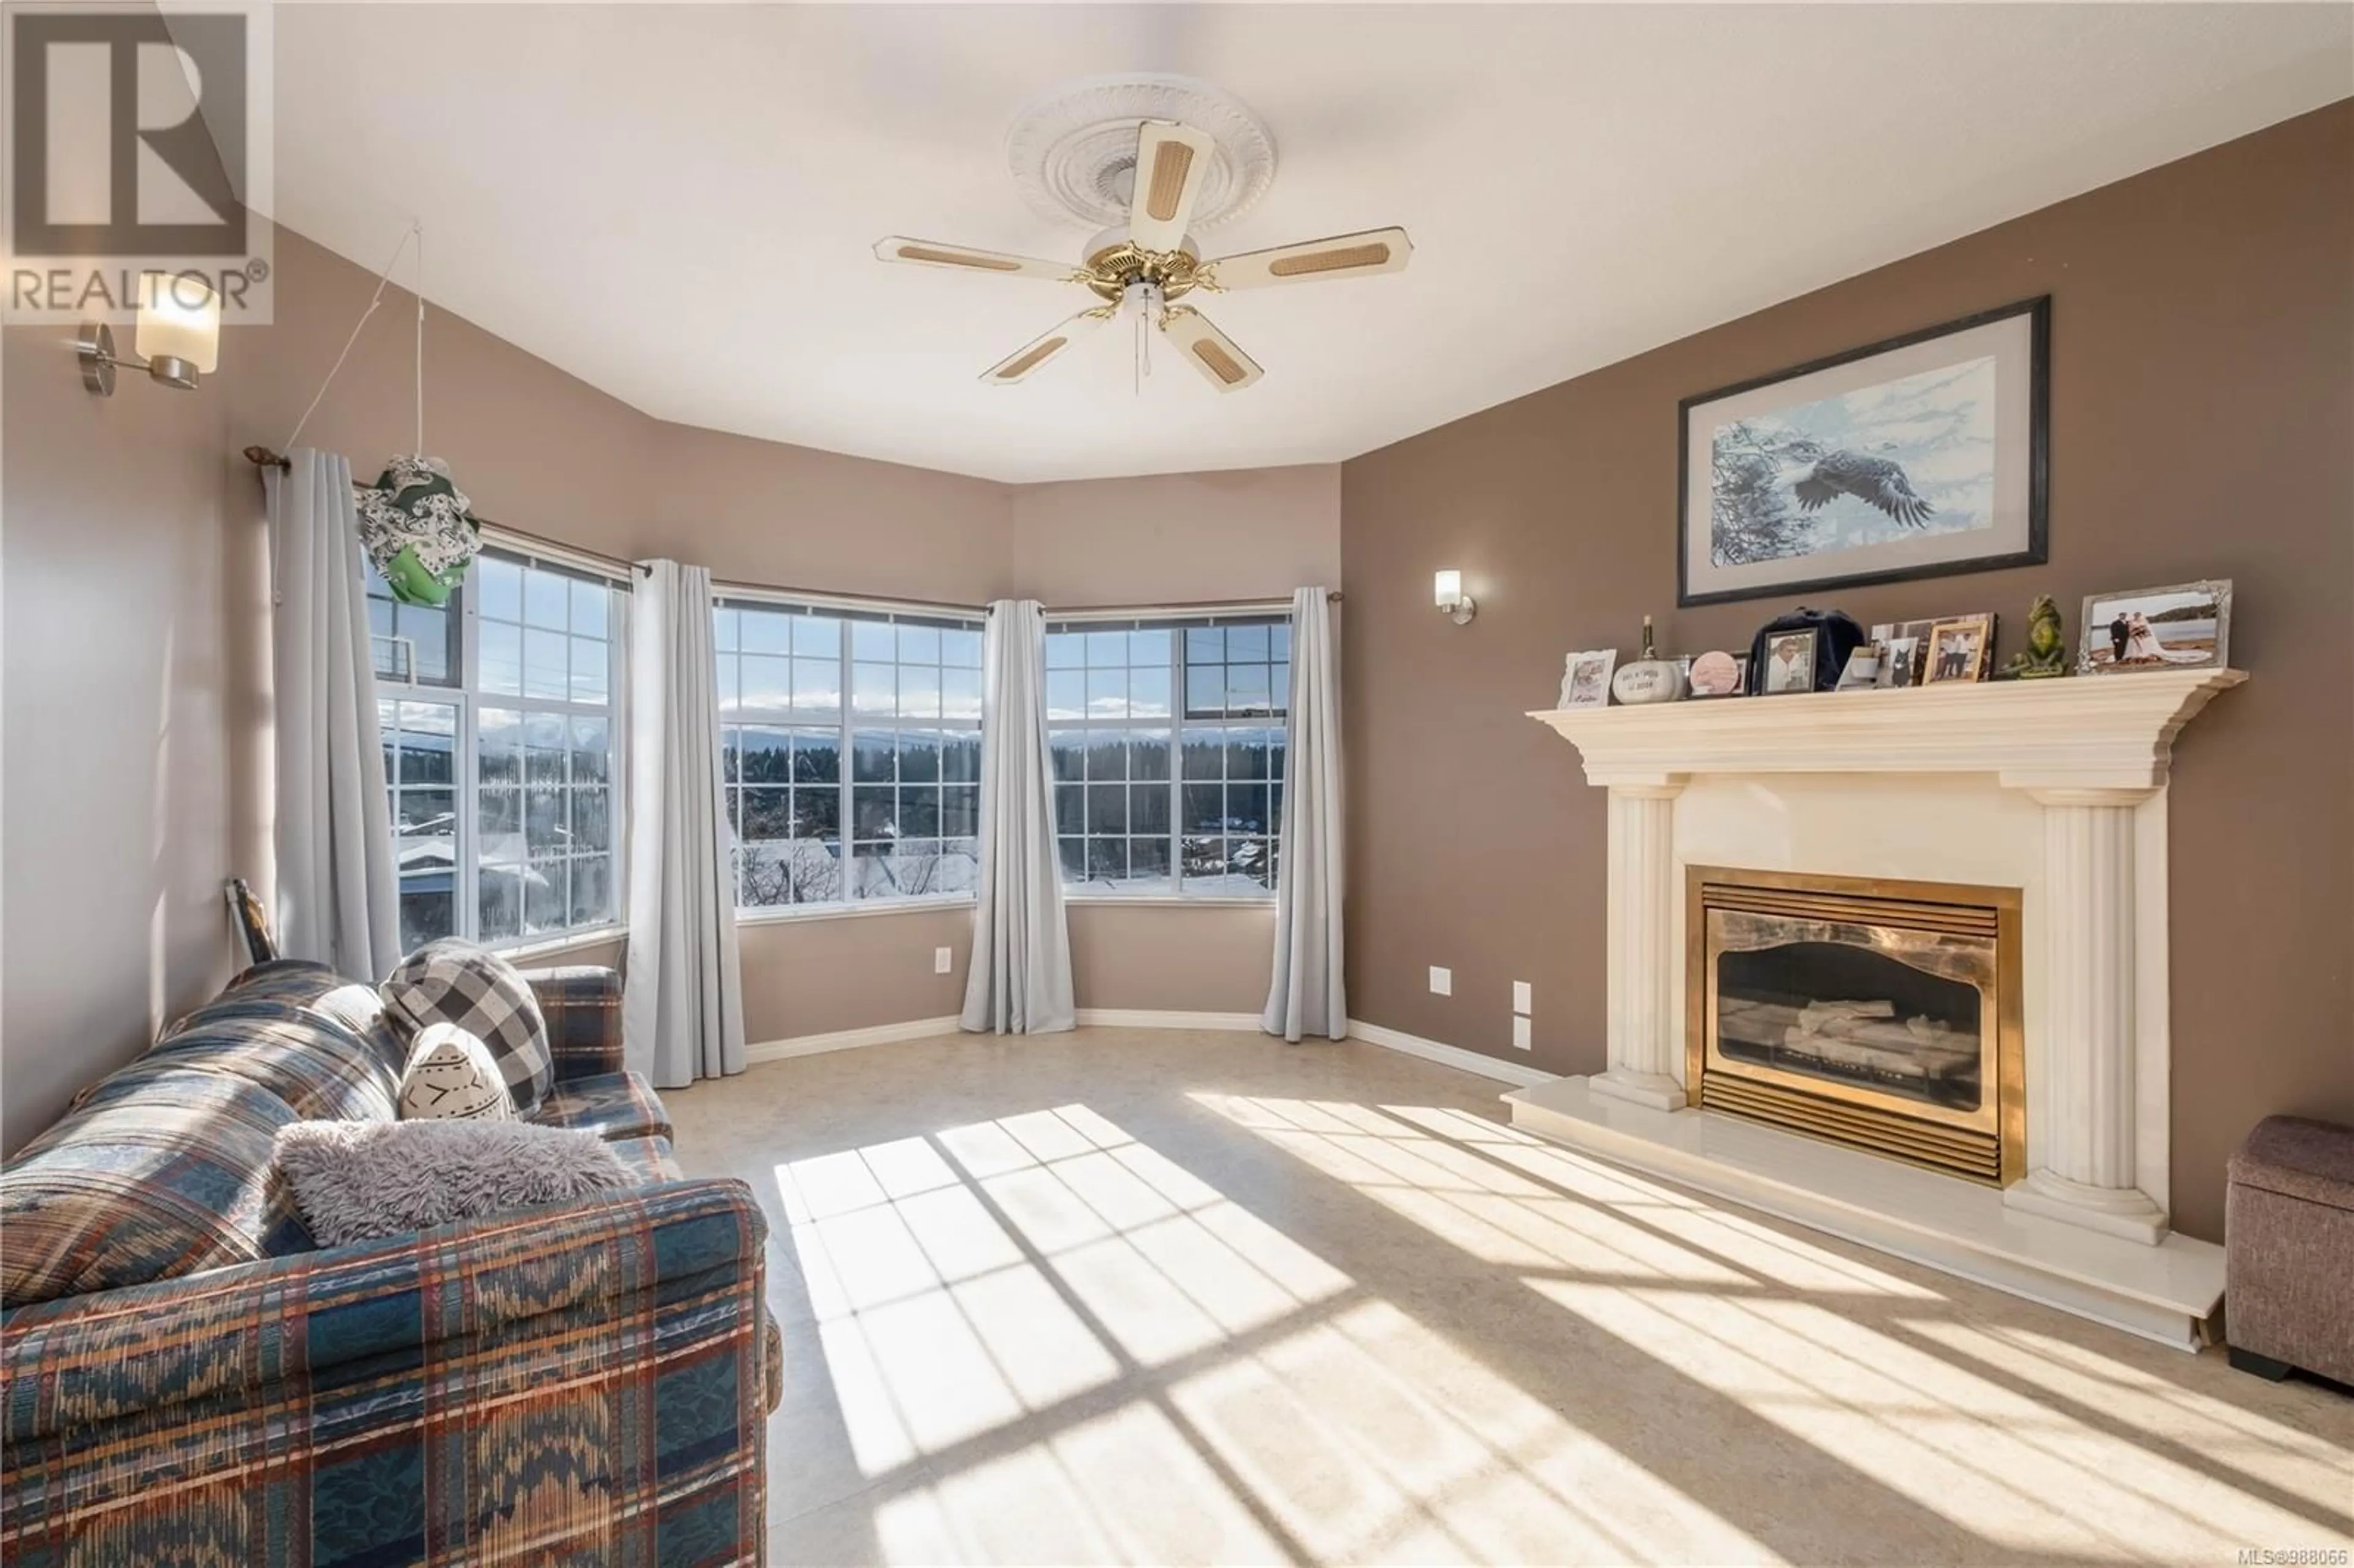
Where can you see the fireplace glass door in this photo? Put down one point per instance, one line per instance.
(1862, 1011)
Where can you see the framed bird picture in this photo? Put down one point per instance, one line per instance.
(1919, 457)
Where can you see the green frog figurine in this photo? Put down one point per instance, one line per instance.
(2046, 653)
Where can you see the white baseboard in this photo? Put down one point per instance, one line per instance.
(1141, 1018)
(1448, 1056)
(849, 1039)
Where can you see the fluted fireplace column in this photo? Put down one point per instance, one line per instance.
(1642, 979)
(2085, 1170)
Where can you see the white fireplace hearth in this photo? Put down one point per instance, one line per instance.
(2054, 788)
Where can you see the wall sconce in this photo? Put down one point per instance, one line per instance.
(178, 338)
(1458, 605)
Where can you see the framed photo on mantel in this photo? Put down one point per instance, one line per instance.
(1919, 457)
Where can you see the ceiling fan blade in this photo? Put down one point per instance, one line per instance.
(965, 258)
(1210, 351)
(1342, 256)
(1019, 365)
(1171, 161)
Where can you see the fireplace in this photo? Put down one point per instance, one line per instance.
(1880, 1014)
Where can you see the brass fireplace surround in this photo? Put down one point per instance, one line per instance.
(1952, 931)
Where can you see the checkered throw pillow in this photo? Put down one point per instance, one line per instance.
(451, 981)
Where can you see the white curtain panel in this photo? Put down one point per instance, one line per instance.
(1020, 977)
(1307, 996)
(337, 902)
(683, 1004)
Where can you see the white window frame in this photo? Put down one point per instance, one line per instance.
(1175, 621)
(846, 725)
(465, 699)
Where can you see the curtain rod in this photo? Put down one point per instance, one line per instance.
(262, 457)
(1194, 606)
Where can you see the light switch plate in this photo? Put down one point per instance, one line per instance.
(1521, 997)
(942, 960)
(1442, 981)
(1520, 1033)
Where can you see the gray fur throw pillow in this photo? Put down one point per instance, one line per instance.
(360, 1181)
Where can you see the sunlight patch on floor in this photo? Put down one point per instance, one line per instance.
(1123, 1488)
(1508, 1199)
(2268, 1454)
(928, 1262)
(2023, 1474)
(994, 1274)
(1371, 1435)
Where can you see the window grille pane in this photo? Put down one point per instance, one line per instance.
(547, 901)
(592, 891)
(817, 813)
(961, 694)
(766, 632)
(1147, 861)
(546, 598)
(960, 811)
(545, 742)
(766, 682)
(871, 757)
(960, 757)
(817, 756)
(817, 636)
(498, 745)
(591, 751)
(1147, 753)
(1067, 695)
(816, 684)
(499, 890)
(426, 909)
(546, 664)
(591, 669)
(500, 584)
(592, 819)
(589, 603)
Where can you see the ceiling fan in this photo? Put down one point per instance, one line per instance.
(1141, 270)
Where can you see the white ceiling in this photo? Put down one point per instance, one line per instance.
(676, 203)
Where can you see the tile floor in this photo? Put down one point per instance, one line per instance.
(1164, 1297)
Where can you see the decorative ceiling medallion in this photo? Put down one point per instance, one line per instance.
(1073, 150)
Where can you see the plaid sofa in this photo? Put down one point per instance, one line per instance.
(184, 1378)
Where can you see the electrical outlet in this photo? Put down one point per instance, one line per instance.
(1521, 998)
(1442, 981)
(1519, 1032)
(942, 960)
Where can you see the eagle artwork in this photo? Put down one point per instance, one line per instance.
(1878, 465)
(1875, 480)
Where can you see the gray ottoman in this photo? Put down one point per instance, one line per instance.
(2288, 1233)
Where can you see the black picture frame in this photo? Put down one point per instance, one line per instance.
(2038, 548)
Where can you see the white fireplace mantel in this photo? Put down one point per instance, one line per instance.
(2098, 732)
(2055, 786)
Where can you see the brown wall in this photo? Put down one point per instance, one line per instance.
(1178, 538)
(2202, 395)
(1154, 958)
(116, 795)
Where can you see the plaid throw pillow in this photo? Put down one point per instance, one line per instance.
(451, 981)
